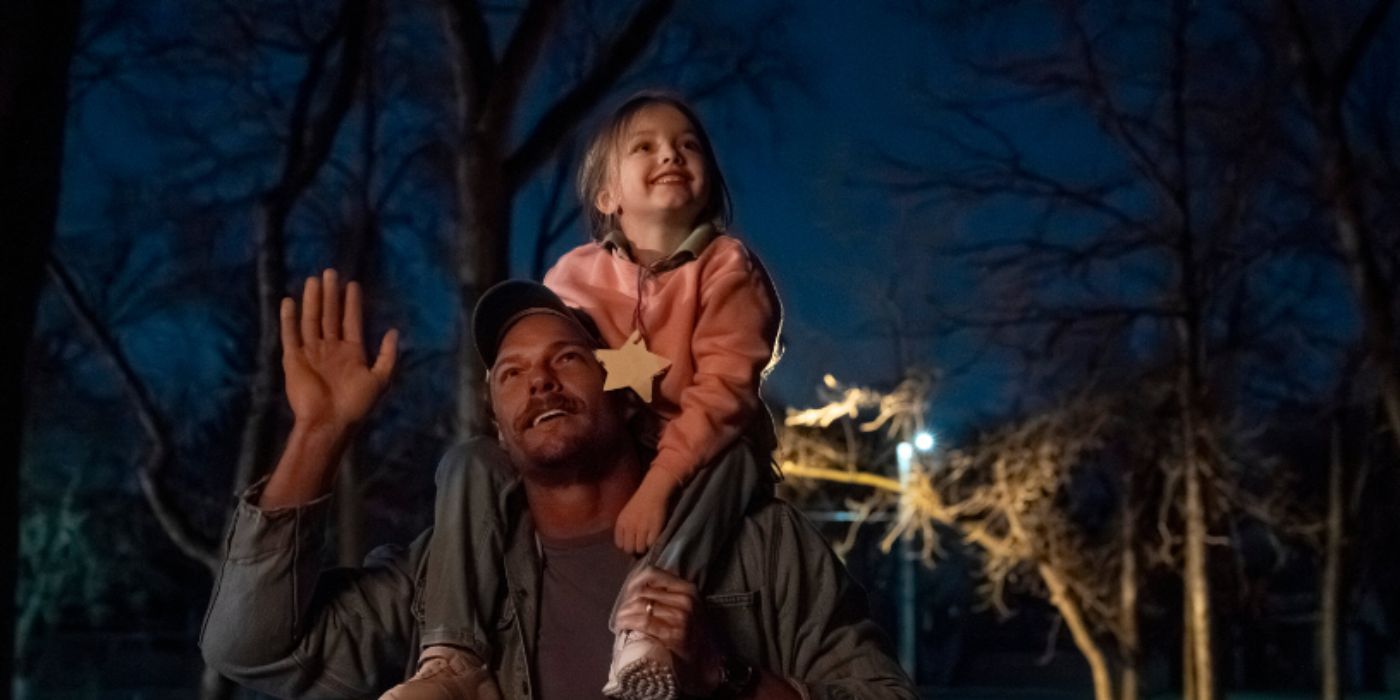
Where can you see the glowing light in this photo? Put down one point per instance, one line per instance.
(924, 441)
(905, 452)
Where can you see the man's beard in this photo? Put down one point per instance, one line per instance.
(577, 455)
(577, 459)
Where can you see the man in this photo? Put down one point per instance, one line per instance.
(777, 618)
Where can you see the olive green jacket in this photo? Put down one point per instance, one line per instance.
(281, 625)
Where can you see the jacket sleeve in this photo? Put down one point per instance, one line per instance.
(830, 647)
(733, 343)
(278, 625)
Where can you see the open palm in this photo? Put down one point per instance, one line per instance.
(328, 381)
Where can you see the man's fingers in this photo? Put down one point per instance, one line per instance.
(660, 597)
(649, 577)
(640, 580)
(288, 315)
(388, 355)
(663, 625)
(311, 311)
(661, 608)
(661, 617)
(653, 577)
(352, 323)
(659, 624)
(635, 621)
(330, 303)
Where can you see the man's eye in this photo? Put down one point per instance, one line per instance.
(510, 373)
(568, 356)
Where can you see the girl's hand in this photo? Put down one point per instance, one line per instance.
(641, 520)
(328, 382)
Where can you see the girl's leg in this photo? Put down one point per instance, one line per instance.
(710, 510)
(465, 585)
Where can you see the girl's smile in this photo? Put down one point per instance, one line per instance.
(660, 171)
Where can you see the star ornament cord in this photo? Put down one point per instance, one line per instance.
(631, 366)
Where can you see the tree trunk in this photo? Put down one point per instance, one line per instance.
(1188, 662)
(1354, 240)
(1197, 585)
(255, 443)
(1189, 372)
(36, 46)
(484, 204)
(1129, 651)
(1079, 631)
(1330, 620)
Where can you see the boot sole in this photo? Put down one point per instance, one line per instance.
(645, 679)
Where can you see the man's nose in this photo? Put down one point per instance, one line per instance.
(542, 380)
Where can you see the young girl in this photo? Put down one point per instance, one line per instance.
(663, 283)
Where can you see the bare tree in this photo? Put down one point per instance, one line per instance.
(1006, 496)
(1325, 76)
(1141, 259)
(1047, 500)
(311, 135)
(317, 109)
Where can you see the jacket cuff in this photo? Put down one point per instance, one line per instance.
(258, 532)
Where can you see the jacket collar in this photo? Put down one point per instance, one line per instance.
(689, 249)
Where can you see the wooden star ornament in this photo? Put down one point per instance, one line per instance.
(631, 366)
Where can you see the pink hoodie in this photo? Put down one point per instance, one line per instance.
(709, 308)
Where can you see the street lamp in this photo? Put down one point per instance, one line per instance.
(924, 441)
(908, 595)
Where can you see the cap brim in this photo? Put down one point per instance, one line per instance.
(504, 304)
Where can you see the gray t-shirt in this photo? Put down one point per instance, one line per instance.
(581, 579)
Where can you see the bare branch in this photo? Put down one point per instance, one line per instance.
(187, 538)
(564, 114)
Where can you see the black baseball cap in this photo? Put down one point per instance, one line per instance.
(505, 303)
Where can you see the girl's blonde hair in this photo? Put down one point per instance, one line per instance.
(598, 163)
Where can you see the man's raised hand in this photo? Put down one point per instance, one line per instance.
(328, 381)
